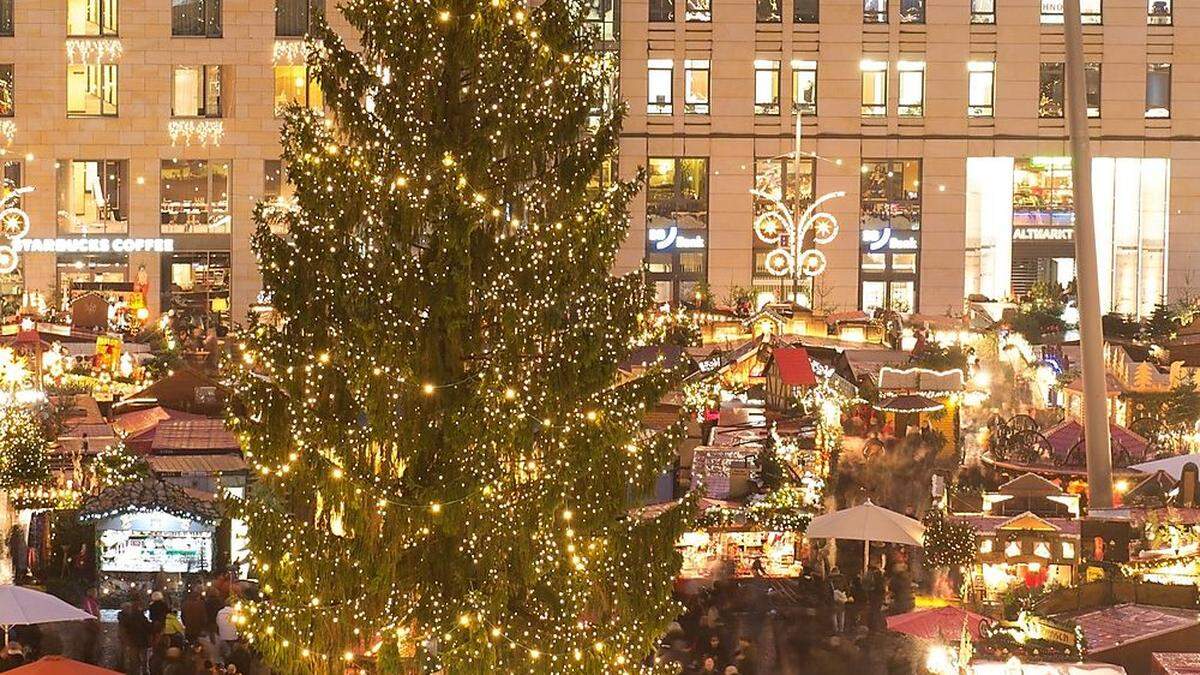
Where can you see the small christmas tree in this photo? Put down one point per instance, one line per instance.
(948, 543)
(117, 464)
(444, 456)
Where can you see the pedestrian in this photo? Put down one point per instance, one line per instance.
(227, 634)
(195, 617)
(839, 598)
(714, 649)
(158, 609)
(876, 595)
(708, 666)
(173, 628)
(175, 663)
(12, 657)
(745, 660)
(855, 600)
(135, 632)
(91, 629)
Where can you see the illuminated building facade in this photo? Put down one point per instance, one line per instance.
(941, 120)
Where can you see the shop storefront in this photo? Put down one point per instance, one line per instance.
(724, 554)
(890, 235)
(677, 226)
(1020, 227)
(195, 287)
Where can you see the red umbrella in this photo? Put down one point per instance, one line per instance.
(60, 665)
(944, 623)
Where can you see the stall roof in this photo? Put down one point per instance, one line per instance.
(197, 464)
(152, 494)
(178, 389)
(868, 362)
(1119, 625)
(920, 380)
(1069, 432)
(141, 421)
(795, 370)
(1029, 485)
(193, 434)
(989, 525)
(1176, 663)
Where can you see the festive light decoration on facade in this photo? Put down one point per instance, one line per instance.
(14, 224)
(285, 52)
(8, 131)
(83, 51)
(778, 225)
(442, 454)
(196, 132)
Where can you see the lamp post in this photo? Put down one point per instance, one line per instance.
(1087, 274)
(780, 225)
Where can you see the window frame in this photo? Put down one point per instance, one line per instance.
(10, 70)
(656, 105)
(918, 17)
(983, 16)
(697, 107)
(909, 66)
(103, 9)
(211, 26)
(772, 69)
(894, 199)
(878, 69)
(1153, 68)
(104, 167)
(806, 11)
(1153, 19)
(7, 23)
(312, 8)
(804, 66)
(204, 83)
(768, 16)
(1086, 17)
(677, 260)
(103, 70)
(1047, 68)
(877, 15)
(213, 215)
(975, 70)
(309, 83)
(701, 14)
(1093, 112)
(661, 11)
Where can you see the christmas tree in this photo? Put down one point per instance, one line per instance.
(23, 464)
(445, 458)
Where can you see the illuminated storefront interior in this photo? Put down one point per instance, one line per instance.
(1020, 222)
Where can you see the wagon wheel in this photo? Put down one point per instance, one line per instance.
(1074, 456)
(1030, 447)
(1022, 423)
(1121, 458)
(1150, 429)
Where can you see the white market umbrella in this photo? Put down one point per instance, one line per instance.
(1172, 465)
(867, 523)
(21, 606)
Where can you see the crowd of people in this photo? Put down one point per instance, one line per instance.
(751, 626)
(199, 637)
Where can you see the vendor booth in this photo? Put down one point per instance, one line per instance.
(151, 526)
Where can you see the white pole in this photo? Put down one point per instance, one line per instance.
(797, 245)
(1087, 275)
(866, 554)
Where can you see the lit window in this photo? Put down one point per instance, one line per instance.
(1091, 75)
(1089, 11)
(983, 11)
(293, 84)
(695, 86)
(659, 76)
(766, 87)
(92, 90)
(196, 91)
(767, 11)
(294, 18)
(92, 196)
(1158, 90)
(200, 18)
(873, 262)
(912, 88)
(904, 262)
(806, 11)
(91, 17)
(804, 87)
(981, 88)
(195, 196)
(6, 18)
(985, 545)
(874, 87)
(1050, 90)
(912, 11)
(698, 10)
(1068, 549)
(677, 225)
(7, 104)
(277, 191)
(195, 287)
(1013, 549)
(1158, 12)
(875, 11)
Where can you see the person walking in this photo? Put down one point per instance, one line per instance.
(135, 632)
(195, 616)
(840, 597)
(91, 629)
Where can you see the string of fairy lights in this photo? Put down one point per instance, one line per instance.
(444, 455)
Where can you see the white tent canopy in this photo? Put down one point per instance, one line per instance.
(24, 606)
(867, 523)
(1172, 465)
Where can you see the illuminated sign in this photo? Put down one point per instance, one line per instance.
(668, 238)
(877, 240)
(94, 245)
(1043, 234)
